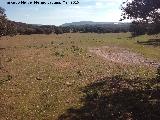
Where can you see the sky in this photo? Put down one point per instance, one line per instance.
(86, 10)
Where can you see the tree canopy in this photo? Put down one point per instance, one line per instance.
(146, 12)
(2, 12)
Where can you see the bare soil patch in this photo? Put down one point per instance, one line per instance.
(123, 56)
(63, 64)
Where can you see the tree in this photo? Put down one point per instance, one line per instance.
(2, 12)
(11, 28)
(143, 11)
(137, 28)
(66, 29)
(58, 30)
(7, 27)
(2, 22)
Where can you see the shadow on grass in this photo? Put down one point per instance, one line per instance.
(154, 42)
(115, 98)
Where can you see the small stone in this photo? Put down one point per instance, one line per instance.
(68, 83)
(37, 78)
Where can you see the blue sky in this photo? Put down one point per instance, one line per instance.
(86, 10)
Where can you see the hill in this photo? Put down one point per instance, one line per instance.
(92, 23)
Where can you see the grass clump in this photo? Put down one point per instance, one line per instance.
(59, 54)
(7, 78)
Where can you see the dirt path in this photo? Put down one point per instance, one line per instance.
(122, 56)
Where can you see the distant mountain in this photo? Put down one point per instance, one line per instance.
(91, 23)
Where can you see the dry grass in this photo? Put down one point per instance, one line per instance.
(41, 75)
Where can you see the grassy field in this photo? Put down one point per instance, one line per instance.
(48, 77)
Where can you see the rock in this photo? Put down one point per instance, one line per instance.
(38, 78)
(90, 55)
(68, 83)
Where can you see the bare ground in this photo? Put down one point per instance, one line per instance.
(123, 56)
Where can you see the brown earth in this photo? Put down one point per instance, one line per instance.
(123, 56)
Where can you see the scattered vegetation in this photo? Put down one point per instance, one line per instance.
(5, 79)
(117, 98)
(64, 76)
(68, 82)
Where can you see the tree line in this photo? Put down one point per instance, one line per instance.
(145, 16)
(97, 28)
(8, 27)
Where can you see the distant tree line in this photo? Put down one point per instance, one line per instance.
(27, 29)
(97, 28)
(144, 13)
(8, 27)
(141, 28)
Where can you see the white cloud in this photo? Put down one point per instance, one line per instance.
(99, 3)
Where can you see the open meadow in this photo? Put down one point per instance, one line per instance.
(79, 76)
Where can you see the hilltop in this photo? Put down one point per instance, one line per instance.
(93, 23)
